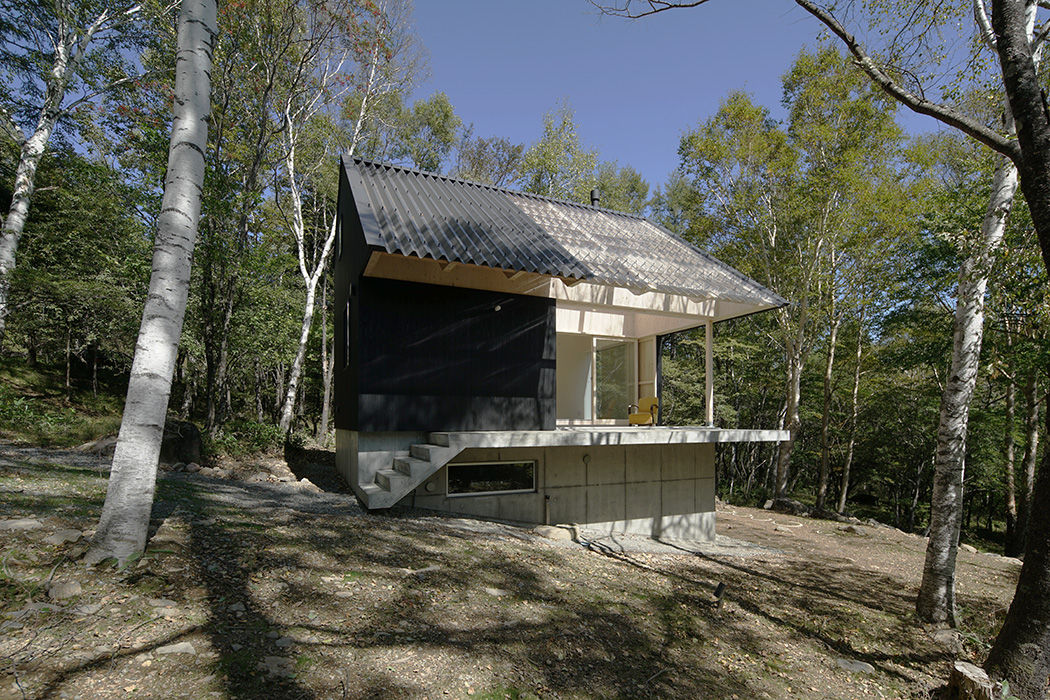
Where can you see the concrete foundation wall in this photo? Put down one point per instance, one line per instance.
(657, 490)
(358, 456)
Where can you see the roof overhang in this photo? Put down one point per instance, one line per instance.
(582, 307)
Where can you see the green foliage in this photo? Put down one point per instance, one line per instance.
(558, 165)
(427, 133)
(490, 161)
(34, 409)
(240, 437)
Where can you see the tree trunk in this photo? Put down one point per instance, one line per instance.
(69, 360)
(1021, 652)
(327, 368)
(825, 419)
(94, 369)
(1008, 447)
(217, 358)
(288, 406)
(854, 410)
(792, 391)
(1015, 545)
(122, 528)
(916, 492)
(936, 600)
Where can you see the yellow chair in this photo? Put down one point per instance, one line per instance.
(644, 412)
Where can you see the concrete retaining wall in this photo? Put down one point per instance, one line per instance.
(658, 490)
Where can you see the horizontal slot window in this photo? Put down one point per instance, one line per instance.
(491, 478)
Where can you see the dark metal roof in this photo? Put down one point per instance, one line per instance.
(409, 212)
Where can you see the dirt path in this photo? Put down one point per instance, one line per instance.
(272, 589)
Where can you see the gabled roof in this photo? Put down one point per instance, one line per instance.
(414, 213)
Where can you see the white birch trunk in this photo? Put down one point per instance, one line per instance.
(288, 407)
(825, 419)
(311, 277)
(854, 409)
(122, 529)
(25, 177)
(936, 600)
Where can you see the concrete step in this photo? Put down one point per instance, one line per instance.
(441, 439)
(392, 480)
(410, 466)
(425, 452)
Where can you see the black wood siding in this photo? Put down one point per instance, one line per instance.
(444, 358)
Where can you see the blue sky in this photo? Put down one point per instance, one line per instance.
(636, 85)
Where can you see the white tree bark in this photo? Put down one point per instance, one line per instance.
(854, 409)
(122, 529)
(936, 601)
(296, 118)
(311, 280)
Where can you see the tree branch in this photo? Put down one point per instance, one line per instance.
(8, 124)
(941, 112)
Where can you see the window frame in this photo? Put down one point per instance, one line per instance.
(535, 478)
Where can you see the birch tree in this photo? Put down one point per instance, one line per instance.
(319, 82)
(56, 57)
(122, 528)
(1021, 652)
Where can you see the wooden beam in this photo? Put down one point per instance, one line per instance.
(709, 373)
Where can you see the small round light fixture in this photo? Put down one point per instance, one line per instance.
(498, 308)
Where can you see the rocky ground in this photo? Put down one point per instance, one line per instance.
(261, 584)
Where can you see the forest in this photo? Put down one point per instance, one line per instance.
(873, 226)
(917, 324)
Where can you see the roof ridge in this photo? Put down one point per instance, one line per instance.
(506, 190)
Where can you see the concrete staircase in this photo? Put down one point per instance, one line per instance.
(408, 471)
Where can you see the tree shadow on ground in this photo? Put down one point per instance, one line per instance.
(252, 660)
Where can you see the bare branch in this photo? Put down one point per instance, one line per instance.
(654, 7)
(921, 105)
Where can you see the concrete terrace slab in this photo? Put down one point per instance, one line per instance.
(585, 436)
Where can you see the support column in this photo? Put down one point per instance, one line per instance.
(709, 373)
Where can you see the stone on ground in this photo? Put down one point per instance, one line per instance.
(855, 666)
(968, 548)
(179, 648)
(21, 524)
(63, 536)
(553, 532)
(60, 590)
(277, 666)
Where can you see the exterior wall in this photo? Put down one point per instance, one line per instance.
(574, 376)
(657, 490)
(431, 357)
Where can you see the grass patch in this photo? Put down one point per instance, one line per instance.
(34, 409)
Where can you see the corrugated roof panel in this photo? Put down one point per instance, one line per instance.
(415, 213)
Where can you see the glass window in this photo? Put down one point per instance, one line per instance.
(493, 477)
(614, 363)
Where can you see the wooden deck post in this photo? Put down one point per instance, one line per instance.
(709, 373)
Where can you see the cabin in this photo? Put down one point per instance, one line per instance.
(498, 355)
